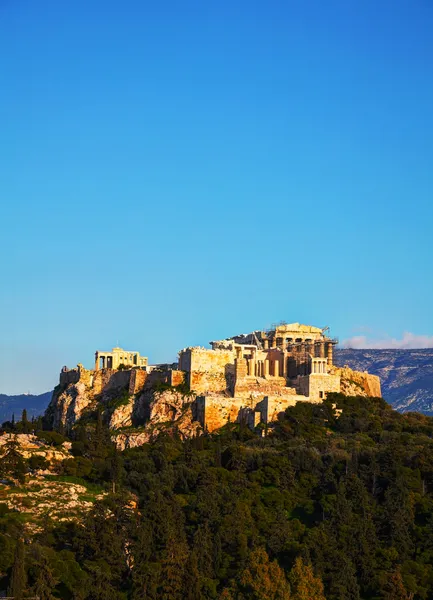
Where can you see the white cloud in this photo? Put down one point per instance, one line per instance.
(409, 340)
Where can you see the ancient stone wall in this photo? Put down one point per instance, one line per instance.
(209, 370)
(247, 386)
(117, 381)
(137, 381)
(215, 411)
(316, 386)
(176, 378)
(69, 376)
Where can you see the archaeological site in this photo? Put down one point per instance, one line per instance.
(250, 378)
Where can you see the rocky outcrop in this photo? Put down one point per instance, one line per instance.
(29, 445)
(135, 405)
(67, 405)
(169, 410)
(357, 383)
(122, 415)
(81, 390)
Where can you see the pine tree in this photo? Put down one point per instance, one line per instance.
(116, 471)
(45, 581)
(305, 585)
(394, 588)
(173, 568)
(25, 424)
(12, 462)
(18, 578)
(264, 579)
(192, 578)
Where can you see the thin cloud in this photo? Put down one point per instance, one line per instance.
(408, 341)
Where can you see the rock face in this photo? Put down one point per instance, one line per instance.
(136, 405)
(357, 383)
(68, 405)
(169, 411)
(29, 445)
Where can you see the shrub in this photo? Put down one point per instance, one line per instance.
(52, 438)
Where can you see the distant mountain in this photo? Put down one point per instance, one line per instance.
(35, 405)
(406, 375)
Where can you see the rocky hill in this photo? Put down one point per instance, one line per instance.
(406, 375)
(135, 405)
(43, 491)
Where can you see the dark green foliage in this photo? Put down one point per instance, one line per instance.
(340, 500)
(52, 438)
(18, 579)
(12, 464)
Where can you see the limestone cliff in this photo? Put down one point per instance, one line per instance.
(169, 410)
(136, 405)
(357, 383)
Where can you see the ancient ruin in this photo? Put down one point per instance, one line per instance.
(250, 377)
(117, 357)
(259, 374)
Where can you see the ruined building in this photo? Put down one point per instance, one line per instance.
(117, 357)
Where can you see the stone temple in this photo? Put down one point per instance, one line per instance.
(117, 357)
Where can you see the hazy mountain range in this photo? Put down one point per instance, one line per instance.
(35, 405)
(406, 377)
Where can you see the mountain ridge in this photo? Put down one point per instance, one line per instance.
(406, 375)
(35, 405)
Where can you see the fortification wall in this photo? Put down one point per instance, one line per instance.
(214, 412)
(69, 377)
(274, 406)
(317, 385)
(247, 386)
(176, 378)
(137, 380)
(210, 370)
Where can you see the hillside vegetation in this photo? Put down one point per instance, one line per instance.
(334, 501)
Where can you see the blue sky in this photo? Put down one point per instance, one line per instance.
(176, 172)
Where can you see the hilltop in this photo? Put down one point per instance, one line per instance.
(251, 378)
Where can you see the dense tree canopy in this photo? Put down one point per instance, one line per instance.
(328, 504)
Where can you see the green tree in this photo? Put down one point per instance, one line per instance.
(263, 579)
(394, 588)
(305, 585)
(18, 579)
(45, 580)
(12, 462)
(25, 425)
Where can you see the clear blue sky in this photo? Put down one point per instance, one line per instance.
(175, 172)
